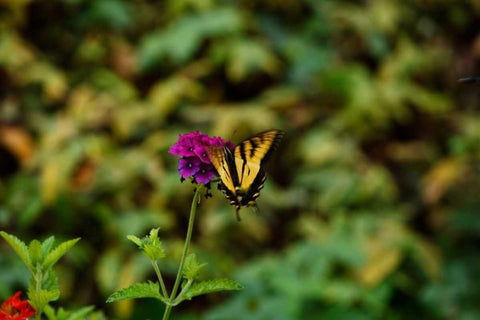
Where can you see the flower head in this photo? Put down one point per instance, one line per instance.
(15, 309)
(194, 161)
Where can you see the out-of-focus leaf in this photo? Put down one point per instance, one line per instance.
(113, 13)
(429, 258)
(18, 141)
(166, 95)
(441, 178)
(11, 42)
(245, 57)
(179, 41)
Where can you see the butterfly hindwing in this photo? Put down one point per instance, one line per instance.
(241, 173)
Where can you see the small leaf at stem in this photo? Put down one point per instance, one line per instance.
(136, 240)
(151, 245)
(192, 267)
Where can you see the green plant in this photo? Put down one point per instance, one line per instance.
(187, 275)
(40, 257)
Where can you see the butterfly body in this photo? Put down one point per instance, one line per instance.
(241, 173)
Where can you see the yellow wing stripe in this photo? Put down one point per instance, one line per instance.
(218, 158)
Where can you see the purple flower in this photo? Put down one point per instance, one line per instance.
(188, 166)
(201, 153)
(194, 161)
(205, 173)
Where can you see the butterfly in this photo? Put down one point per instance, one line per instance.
(240, 171)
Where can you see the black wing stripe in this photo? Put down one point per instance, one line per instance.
(244, 159)
(254, 191)
(253, 148)
(276, 141)
(230, 160)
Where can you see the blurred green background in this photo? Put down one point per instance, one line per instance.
(371, 208)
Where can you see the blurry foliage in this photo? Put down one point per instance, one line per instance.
(371, 206)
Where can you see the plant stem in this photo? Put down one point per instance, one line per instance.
(160, 279)
(38, 287)
(191, 220)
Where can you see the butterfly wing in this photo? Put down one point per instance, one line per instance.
(250, 154)
(241, 172)
(222, 160)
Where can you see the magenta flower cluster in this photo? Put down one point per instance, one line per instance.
(194, 161)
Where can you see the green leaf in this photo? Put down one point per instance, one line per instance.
(154, 252)
(138, 290)
(53, 256)
(49, 280)
(151, 245)
(153, 249)
(191, 267)
(153, 236)
(50, 313)
(20, 248)
(192, 29)
(210, 286)
(62, 314)
(136, 240)
(79, 314)
(35, 252)
(39, 299)
(47, 245)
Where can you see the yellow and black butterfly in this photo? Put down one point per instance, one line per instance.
(241, 173)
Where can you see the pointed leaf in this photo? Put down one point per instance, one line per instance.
(153, 248)
(135, 240)
(20, 248)
(138, 290)
(35, 252)
(154, 234)
(192, 267)
(53, 256)
(210, 286)
(47, 245)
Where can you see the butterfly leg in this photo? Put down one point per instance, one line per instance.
(238, 213)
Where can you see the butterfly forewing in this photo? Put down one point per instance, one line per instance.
(219, 156)
(241, 172)
(258, 148)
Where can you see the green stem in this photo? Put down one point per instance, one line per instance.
(180, 295)
(160, 279)
(38, 287)
(191, 220)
